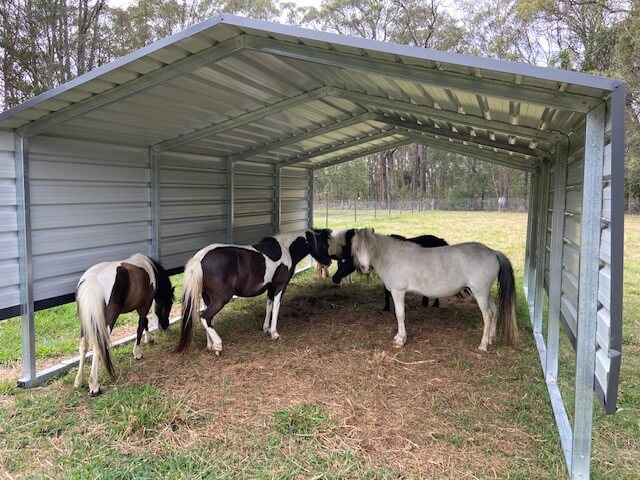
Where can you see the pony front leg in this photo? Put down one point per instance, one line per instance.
(398, 300)
(274, 316)
(214, 342)
(83, 352)
(142, 326)
(148, 336)
(267, 316)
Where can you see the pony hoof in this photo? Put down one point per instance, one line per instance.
(275, 336)
(398, 342)
(218, 353)
(137, 354)
(96, 393)
(483, 348)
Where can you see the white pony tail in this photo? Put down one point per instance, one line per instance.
(91, 304)
(192, 292)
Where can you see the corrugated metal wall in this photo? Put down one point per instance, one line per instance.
(90, 202)
(605, 352)
(294, 199)
(193, 199)
(9, 268)
(254, 202)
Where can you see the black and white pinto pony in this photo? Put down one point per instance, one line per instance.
(442, 272)
(110, 288)
(219, 271)
(340, 250)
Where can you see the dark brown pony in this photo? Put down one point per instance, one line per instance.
(218, 272)
(110, 288)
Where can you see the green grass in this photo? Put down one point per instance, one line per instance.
(258, 413)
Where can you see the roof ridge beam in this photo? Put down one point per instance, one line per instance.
(417, 128)
(143, 82)
(364, 153)
(448, 116)
(490, 156)
(336, 148)
(240, 120)
(332, 127)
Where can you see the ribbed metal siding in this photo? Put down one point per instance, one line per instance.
(192, 205)
(9, 268)
(294, 199)
(90, 203)
(254, 201)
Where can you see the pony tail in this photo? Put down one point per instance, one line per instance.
(192, 291)
(507, 297)
(90, 301)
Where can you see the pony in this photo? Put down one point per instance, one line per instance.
(219, 271)
(110, 288)
(442, 271)
(340, 246)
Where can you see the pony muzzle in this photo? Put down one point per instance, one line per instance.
(365, 269)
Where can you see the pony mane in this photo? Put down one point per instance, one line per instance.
(164, 289)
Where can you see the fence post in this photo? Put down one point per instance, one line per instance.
(355, 210)
(326, 218)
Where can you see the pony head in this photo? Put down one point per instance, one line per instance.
(363, 248)
(164, 296)
(318, 241)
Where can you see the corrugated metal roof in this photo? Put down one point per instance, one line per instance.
(274, 93)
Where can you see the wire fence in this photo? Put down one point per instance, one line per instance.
(365, 209)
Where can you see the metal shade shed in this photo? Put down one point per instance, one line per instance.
(213, 134)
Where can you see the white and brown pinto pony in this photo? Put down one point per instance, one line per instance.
(219, 271)
(442, 272)
(110, 288)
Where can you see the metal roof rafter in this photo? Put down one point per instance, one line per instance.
(143, 82)
(447, 116)
(240, 120)
(364, 153)
(332, 127)
(418, 128)
(342, 146)
(469, 151)
(490, 87)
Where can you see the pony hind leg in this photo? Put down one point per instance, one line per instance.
(148, 336)
(484, 302)
(214, 342)
(83, 352)
(398, 300)
(494, 321)
(268, 311)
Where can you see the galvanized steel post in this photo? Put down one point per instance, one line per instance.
(25, 261)
(155, 205)
(277, 173)
(230, 200)
(310, 197)
(588, 299)
(541, 256)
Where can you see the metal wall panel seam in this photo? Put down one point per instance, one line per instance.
(310, 194)
(230, 200)
(155, 205)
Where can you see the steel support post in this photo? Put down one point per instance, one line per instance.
(541, 257)
(155, 205)
(533, 240)
(230, 200)
(555, 263)
(588, 296)
(277, 199)
(26, 267)
(310, 197)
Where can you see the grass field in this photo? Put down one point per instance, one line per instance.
(331, 398)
